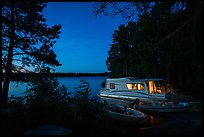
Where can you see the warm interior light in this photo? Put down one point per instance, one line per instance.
(112, 85)
(140, 87)
(151, 87)
(129, 86)
(159, 91)
(132, 86)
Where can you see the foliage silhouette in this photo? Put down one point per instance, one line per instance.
(27, 40)
(88, 109)
(46, 101)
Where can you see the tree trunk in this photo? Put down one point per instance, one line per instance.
(180, 77)
(9, 59)
(168, 76)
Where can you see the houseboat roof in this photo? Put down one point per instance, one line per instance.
(131, 79)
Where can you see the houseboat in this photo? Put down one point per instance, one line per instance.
(143, 94)
(135, 90)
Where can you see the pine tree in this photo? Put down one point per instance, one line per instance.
(27, 40)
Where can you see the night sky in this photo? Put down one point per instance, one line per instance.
(85, 40)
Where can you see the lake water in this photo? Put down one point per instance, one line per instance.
(18, 88)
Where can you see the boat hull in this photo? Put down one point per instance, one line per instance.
(169, 107)
(151, 106)
(131, 96)
(128, 114)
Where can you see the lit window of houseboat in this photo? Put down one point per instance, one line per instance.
(135, 86)
(156, 87)
(112, 85)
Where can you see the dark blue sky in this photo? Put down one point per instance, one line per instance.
(84, 41)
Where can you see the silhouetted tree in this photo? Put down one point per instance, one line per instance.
(27, 40)
(87, 108)
(166, 40)
(128, 10)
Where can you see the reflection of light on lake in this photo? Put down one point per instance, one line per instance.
(152, 120)
(150, 124)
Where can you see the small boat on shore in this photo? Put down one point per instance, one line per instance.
(125, 113)
(163, 107)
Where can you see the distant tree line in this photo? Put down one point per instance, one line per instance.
(27, 76)
(165, 41)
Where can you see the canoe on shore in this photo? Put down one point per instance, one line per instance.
(125, 114)
(163, 107)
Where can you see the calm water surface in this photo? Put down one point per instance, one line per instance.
(18, 88)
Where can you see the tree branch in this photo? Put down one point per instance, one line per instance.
(176, 30)
(21, 39)
(19, 68)
(16, 54)
(131, 14)
(5, 33)
(20, 60)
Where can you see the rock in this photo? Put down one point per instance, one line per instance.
(48, 129)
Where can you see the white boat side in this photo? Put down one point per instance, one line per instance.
(131, 89)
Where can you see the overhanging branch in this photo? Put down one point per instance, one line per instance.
(176, 30)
